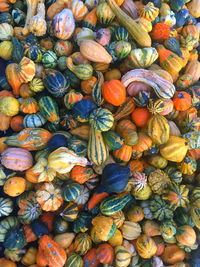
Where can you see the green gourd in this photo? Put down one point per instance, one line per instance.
(82, 71)
(173, 44)
(49, 109)
(6, 225)
(113, 140)
(96, 91)
(6, 206)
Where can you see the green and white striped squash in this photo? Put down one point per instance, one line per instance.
(96, 90)
(83, 197)
(101, 119)
(74, 259)
(71, 191)
(122, 49)
(49, 59)
(49, 109)
(158, 129)
(6, 206)
(113, 140)
(35, 120)
(97, 149)
(160, 209)
(30, 210)
(7, 224)
(142, 57)
(114, 204)
(55, 82)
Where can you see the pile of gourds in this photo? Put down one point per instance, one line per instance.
(100, 133)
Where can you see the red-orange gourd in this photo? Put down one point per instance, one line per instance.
(114, 92)
(16, 123)
(105, 253)
(140, 116)
(182, 101)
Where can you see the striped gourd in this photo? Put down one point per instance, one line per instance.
(34, 120)
(7, 224)
(101, 119)
(177, 196)
(195, 214)
(82, 71)
(78, 145)
(49, 59)
(114, 204)
(174, 174)
(55, 82)
(96, 90)
(29, 210)
(97, 149)
(163, 88)
(158, 129)
(122, 256)
(34, 52)
(82, 243)
(120, 33)
(49, 109)
(70, 212)
(113, 140)
(74, 260)
(6, 206)
(160, 209)
(71, 191)
(122, 49)
(195, 196)
(125, 109)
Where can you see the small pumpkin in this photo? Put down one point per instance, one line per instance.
(14, 186)
(105, 253)
(29, 105)
(105, 13)
(9, 106)
(122, 256)
(149, 11)
(114, 92)
(130, 230)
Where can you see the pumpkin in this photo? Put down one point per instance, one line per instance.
(29, 105)
(186, 235)
(130, 230)
(182, 101)
(116, 240)
(18, 159)
(172, 254)
(52, 251)
(175, 149)
(14, 186)
(135, 214)
(65, 240)
(82, 243)
(160, 209)
(16, 123)
(103, 228)
(70, 212)
(151, 228)
(9, 106)
(105, 253)
(146, 246)
(49, 197)
(149, 12)
(122, 256)
(64, 24)
(6, 206)
(144, 142)
(114, 92)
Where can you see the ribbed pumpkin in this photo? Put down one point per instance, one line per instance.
(14, 186)
(122, 256)
(49, 197)
(160, 209)
(149, 11)
(144, 142)
(123, 155)
(17, 159)
(6, 206)
(114, 92)
(101, 119)
(130, 230)
(29, 210)
(55, 82)
(26, 70)
(64, 24)
(82, 174)
(52, 251)
(186, 235)
(135, 214)
(103, 227)
(70, 212)
(82, 243)
(29, 105)
(146, 246)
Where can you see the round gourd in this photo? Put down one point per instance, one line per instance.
(14, 186)
(29, 105)
(130, 230)
(118, 218)
(59, 225)
(36, 85)
(6, 206)
(34, 120)
(71, 191)
(122, 256)
(82, 243)
(114, 92)
(15, 238)
(82, 223)
(74, 259)
(105, 254)
(146, 247)
(82, 199)
(104, 13)
(70, 212)
(101, 119)
(186, 235)
(117, 239)
(9, 105)
(49, 59)
(103, 228)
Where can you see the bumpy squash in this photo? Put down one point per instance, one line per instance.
(103, 227)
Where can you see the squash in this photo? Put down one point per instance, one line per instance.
(175, 149)
(162, 87)
(4, 122)
(104, 13)
(103, 227)
(9, 106)
(71, 98)
(146, 246)
(14, 186)
(82, 223)
(30, 256)
(158, 129)
(14, 239)
(182, 101)
(6, 206)
(65, 240)
(7, 263)
(71, 191)
(49, 197)
(97, 150)
(186, 235)
(113, 204)
(37, 23)
(113, 140)
(130, 230)
(64, 24)
(158, 181)
(151, 228)
(29, 105)
(160, 209)
(82, 243)
(70, 212)
(17, 159)
(72, 259)
(13, 77)
(117, 239)
(26, 70)
(94, 52)
(149, 12)
(49, 59)
(7, 224)
(135, 30)
(105, 254)
(82, 71)
(34, 120)
(49, 109)
(123, 155)
(90, 20)
(193, 7)
(173, 254)
(114, 92)
(144, 142)
(122, 256)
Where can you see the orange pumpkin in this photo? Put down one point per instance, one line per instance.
(49, 197)
(13, 77)
(135, 214)
(16, 123)
(136, 166)
(26, 70)
(182, 101)
(91, 258)
(14, 186)
(114, 92)
(31, 176)
(172, 254)
(29, 105)
(87, 85)
(141, 116)
(105, 254)
(186, 235)
(144, 142)
(4, 121)
(25, 91)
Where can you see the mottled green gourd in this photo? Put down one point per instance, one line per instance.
(78, 145)
(113, 140)
(96, 91)
(173, 44)
(29, 210)
(114, 204)
(49, 59)
(18, 50)
(82, 71)
(160, 209)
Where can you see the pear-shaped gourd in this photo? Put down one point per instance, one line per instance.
(173, 44)
(63, 160)
(82, 71)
